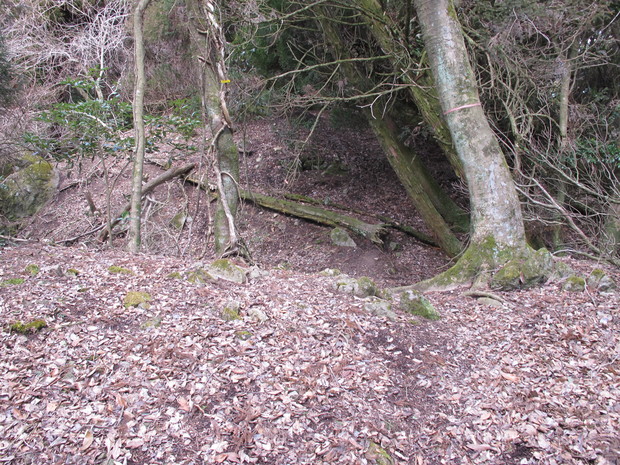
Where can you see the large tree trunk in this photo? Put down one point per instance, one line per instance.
(138, 123)
(498, 235)
(209, 40)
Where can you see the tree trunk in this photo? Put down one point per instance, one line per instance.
(138, 122)
(420, 82)
(209, 40)
(425, 194)
(498, 235)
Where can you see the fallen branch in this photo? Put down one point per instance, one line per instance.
(148, 188)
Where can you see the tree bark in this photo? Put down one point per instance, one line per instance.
(498, 234)
(209, 40)
(138, 122)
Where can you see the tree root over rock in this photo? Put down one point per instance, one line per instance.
(485, 264)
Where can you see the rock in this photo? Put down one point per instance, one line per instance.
(341, 238)
(380, 307)
(228, 271)
(256, 273)
(601, 281)
(199, 276)
(488, 301)
(574, 284)
(362, 287)
(154, 322)
(519, 273)
(415, 303)
(330, 272)
(562, 271)
(257, 315)
(24, 192)
(137, 299)
(179, 220)
(230, 311)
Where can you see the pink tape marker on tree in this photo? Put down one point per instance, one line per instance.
(469, 105)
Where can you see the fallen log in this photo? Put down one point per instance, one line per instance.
(372, 232)
(147, 189)
(389, 222)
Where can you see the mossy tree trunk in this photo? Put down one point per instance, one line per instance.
(209, 42)
(498, 235)
(436, 208)
(138, 122)
(414, 73)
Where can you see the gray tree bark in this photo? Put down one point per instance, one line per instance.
(498, 234)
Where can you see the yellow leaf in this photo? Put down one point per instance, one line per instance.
(88, 440)
(510, 377)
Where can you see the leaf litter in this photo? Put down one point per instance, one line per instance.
(305, 376)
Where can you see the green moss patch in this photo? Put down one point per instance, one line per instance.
(119, 270)
(27, 328)
(12, 282)
(32, 269)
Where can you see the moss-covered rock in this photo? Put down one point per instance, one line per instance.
(230, 311)
(73, 272)
(174, 275)
(574, 284)
(362, 287)
(32, 269)
(137, 299)
(198, 276)
(415, 303)
(27, 328)
(601, 281)
(341, 238)
(119, 270)
(377, 455)
(228, 271)
(25, 191)
(381, 308)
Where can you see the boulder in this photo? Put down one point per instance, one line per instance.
(25, 191)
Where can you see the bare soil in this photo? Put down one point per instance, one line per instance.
(306, 374)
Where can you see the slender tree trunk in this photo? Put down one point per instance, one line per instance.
(209, 41)
(138, 122)
(498, 235)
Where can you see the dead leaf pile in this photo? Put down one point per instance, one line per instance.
(304, 376)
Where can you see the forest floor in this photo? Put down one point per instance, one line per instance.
(306, 375)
